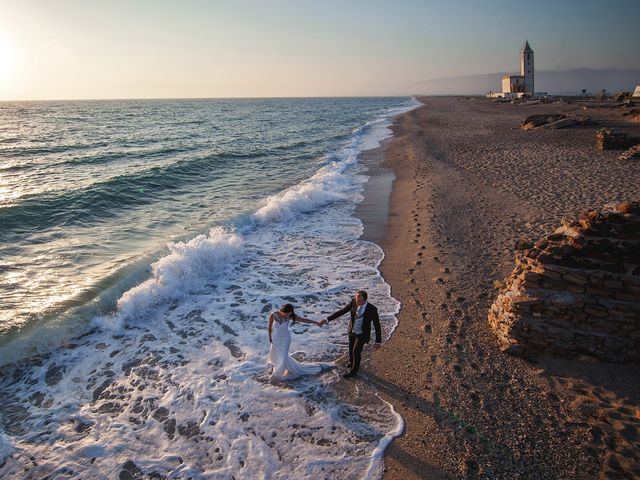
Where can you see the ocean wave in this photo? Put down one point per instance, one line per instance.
(106, 198)
(35, 150)
(185, 270)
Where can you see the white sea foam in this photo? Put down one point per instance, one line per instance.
(6, 447)
(378, 129)
(323, 188)
(185, 270)
(182, 390)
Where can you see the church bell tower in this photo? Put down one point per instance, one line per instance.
(526, 67)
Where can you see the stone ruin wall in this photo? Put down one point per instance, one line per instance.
(609, 139)
(576, 291)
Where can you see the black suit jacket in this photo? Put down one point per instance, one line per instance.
(370, 315)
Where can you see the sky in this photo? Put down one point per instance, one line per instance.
(78, 49)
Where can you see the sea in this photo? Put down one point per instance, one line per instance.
(143, 244)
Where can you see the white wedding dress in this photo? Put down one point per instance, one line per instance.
(285, 367)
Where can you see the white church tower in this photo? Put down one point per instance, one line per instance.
(526, 67)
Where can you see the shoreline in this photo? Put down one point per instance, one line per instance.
(373, 211)
(466, 187)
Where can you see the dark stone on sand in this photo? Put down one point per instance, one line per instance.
(226, 328)
(36, 398)
(127, 366)
(195, 316)
(244, 416)
(234, 349)
(97, 393)
(170, 427)
(130, 471)
(534, 121)
(149, 337)
(189, 430)
(110, 407)
(54, 374)
(161, 414)
(82, 427)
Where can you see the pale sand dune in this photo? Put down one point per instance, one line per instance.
(469, 183)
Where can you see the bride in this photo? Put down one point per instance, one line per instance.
(285, 367)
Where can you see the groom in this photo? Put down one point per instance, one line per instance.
(362, 314)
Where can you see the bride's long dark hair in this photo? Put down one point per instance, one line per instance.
(288, 308)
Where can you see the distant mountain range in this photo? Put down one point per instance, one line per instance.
(564, 82)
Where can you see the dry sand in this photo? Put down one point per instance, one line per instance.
(468, 184)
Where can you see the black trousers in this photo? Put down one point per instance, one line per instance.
(356, 344)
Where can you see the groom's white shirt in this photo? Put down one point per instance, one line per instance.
(357, 326)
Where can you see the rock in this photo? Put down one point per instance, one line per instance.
(610, 139)
(54, 374)
(522, 244)
(534, 121)
(130, 471)
(110, 407)
(562, 123)
(632, 115)
(584, 121)
(170, 428)
(97, 393)
(189, 430)
(632, 154)
(161, 414)
(576, 290)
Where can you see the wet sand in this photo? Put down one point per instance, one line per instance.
(374, 209)
(468, 184)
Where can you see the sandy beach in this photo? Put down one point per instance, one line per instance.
(469, 183)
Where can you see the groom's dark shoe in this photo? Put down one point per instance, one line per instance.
(350, 375)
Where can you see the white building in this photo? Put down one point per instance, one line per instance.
(636, 92)
(522, 84)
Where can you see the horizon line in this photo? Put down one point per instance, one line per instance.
(283, 97)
